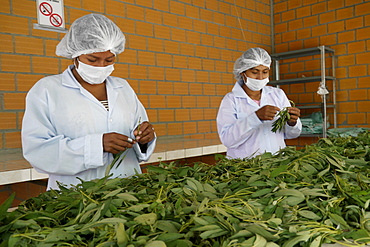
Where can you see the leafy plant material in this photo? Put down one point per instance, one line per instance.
(308, 197)
(283, 117)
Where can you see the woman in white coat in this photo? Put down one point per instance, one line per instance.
(75, 122)
(246, 114)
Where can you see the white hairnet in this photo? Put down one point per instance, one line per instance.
(91, 33)
(251, 58)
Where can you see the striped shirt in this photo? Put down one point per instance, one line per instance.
(105, 104)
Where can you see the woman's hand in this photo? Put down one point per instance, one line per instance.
(295, 113)
(267, 112)
(114, 142)
(144, 133)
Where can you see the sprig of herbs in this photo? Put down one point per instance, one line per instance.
(283, 118)
(117, 156)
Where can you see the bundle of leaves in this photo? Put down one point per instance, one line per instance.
(307, 197)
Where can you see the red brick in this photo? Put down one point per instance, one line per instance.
(363, 33)
(175, 129)
(8, 120)
(202, 76)
(162, 32)
(335, 4)
(173, 74)
(288, 15)
(146, 58)
(289, 36)
(327, 17)
(15, 63)
(346, 107)
(359, 94)
(45, 65)
(204, 126)
(363, 106)
(346, 37)
(182, 115)
(13, 101)
(310, 21)
(190, 127)
(356, 71)
(185, 22)
(163, 60)
(135, 12)
(157, 101)
(165, 87)
(354, 23)
(13, 139)
(346, 60)
(342, 95)
(210, 114)
(280, 7)
(319, 30)
(156, 73)
(196, 114)
(136, 42)
(189, 101)
(162, 5)
(171, 47)
(178, 35)
(181, 88)
(6, 43)
(363, 82)
(145, 29)
(166, 115)
(7, 24)
(202, 101)
(7, 82)
(295, 24)
(173, 101)
(362, 9)
(112, 7)
(357, 118)
(152, 115)
(304, 11)
(336, 27)
(147, 87)
(345, 13)
(356, 47)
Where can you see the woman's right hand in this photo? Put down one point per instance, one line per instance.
(114, 142)
(267, 112)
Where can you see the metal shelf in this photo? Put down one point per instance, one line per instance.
(322, 51)
(300, 53)
(313, 106)
(299, 80)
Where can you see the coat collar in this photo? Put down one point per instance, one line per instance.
(239, 92)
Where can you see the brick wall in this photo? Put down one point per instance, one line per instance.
(178, 58)
(343, 25)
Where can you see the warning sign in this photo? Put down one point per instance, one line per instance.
(50, 13)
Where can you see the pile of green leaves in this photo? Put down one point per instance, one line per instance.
(307, 197)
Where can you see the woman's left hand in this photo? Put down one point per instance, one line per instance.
(144, 133)
(295, 113)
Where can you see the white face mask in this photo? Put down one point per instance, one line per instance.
(255, 84)
(94, 74)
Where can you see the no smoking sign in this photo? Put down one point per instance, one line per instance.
(50, 13)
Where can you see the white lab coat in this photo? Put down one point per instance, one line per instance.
(242, 132)
(63, 127)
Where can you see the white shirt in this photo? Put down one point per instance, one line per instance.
(242, 132)
(63, 127)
